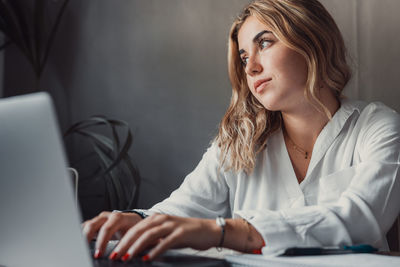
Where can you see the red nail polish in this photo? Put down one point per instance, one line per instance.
(125, 257)
(145, 257)
(113, 255)
(257, 251)
(97, 254)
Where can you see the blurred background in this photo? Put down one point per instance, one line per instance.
(161, 67)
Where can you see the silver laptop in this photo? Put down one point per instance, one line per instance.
(39, 225)
(39, 222)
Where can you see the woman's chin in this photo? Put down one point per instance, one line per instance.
(270, 105)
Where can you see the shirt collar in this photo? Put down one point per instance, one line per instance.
(349, 106)
(332, 129)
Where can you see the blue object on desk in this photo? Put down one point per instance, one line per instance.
(306, 251)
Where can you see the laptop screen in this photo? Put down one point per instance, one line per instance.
(40, 225)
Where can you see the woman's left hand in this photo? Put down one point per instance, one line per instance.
(160, 232)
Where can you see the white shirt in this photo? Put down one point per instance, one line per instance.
(350, 195)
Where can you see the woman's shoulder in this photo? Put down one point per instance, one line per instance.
(380, 115)
(372, 112)
(376, 122)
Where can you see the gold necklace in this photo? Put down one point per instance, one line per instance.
(296, 147)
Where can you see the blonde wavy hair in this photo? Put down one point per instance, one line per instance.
(304, 26)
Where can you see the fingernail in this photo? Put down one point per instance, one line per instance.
(97, 254)
(125, 257)
(145, 257)
(257, 251)
(113, 255)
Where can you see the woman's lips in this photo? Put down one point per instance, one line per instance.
(260, 84)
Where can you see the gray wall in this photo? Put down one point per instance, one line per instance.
(161, 66)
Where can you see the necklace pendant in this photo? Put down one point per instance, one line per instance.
(306, 155)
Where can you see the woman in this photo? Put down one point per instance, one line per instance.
(294, 163)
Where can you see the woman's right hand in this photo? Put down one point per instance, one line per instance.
(105, 225)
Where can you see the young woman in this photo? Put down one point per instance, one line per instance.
(294, 163)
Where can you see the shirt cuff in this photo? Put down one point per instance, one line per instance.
(277, 232)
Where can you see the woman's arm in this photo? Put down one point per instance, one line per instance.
(240, 235)
(204, 192)
(161, 232)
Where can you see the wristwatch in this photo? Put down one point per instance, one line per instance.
(138, 212)
(220, 221)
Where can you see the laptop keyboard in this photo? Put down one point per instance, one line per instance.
(170, 258)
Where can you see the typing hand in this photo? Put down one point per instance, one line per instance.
(105, 225)
(160, 232)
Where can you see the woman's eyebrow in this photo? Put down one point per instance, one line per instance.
(255, 39)
(258, 35)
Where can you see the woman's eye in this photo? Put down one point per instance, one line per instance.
(264, 44)
(245, 60)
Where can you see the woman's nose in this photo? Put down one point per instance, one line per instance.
(253, 66)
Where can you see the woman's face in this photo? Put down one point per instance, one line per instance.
(276, 74)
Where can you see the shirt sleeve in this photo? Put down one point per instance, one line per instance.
(203, 193)
(362, 213)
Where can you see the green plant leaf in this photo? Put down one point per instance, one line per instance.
(52, 35)
(81, 125)
(98, 138)
(115, 162)
(11, 28)
(136, 177)
(38, 22)
(105, 142)
(8, 25)
(112, 125)
(100, 120)
(112, 195)
(78, 128)
(114, 179)
(23, 25)
(107, 160)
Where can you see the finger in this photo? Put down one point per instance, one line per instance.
(110, 227)
(91, 227)
(133, 234)
(148, 239)
(168, 242)
(150, 229)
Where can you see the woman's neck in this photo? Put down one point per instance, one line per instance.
(304, 124)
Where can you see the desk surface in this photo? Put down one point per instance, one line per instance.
(389, 253)
(212, 257)
(349, 260)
